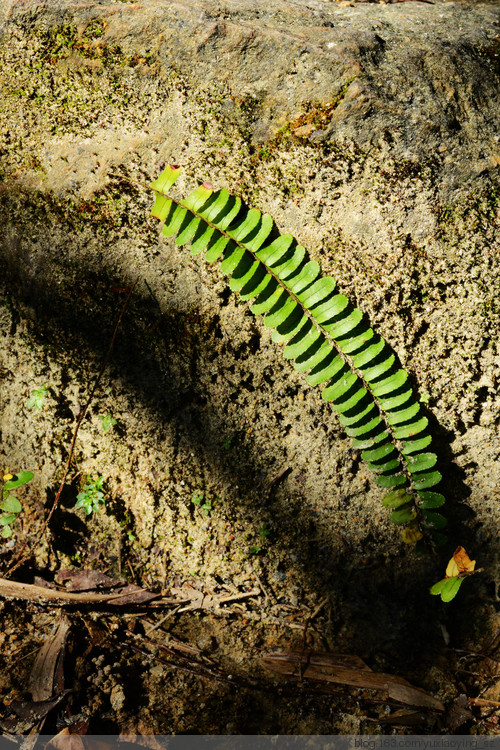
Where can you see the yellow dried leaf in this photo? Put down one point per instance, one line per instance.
(411, 533)
(460, 563)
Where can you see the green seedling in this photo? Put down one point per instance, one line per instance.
(264, 532)
(11, 506)
(37, 398)
(205, 503)
(458, 569)
(107, 421)
(91, 498)
(125, 523)
(447, 588)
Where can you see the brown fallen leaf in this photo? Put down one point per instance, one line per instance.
(23, 716)
(85, 580)
(459, 714)
(47, 674)
(348, 670)
(403, 718)
(141, 735)
(130, 594)
(64, 740)
(460, 564)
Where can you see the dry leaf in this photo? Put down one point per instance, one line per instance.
(65, 741)
(47, 676)
(348, 670)
(403, 718)
(85, 580)
(459, 714)
(460, 563)
(25, 715)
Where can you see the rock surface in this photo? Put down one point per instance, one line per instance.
(368, 131)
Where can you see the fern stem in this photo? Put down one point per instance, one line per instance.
(307, 311)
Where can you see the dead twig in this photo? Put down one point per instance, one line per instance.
(163, 620)
(484, 702)
(279, 476)
(348, 670)
(129, 594)
(183, 599)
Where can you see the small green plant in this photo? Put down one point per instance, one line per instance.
(264, 532)
(37, 398)
(107, 421)
(458, 569)
(91, 497)
(205, 503)
(263, 535)
(329, 340)
(11, 506)
(126, 523)
(324, 335)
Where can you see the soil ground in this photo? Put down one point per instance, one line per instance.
(228, 483)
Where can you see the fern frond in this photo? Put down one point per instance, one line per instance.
(324, 335)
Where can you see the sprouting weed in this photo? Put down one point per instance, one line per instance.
(264, 532)
(107, 421)
(37, 398)
(11, 506)
(91, 498)
(205, 503)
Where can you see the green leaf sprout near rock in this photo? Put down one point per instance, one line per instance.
(37, 398)
(204, 503)
(11, 506)
(325, 337)
(447, 588)
(458, 569)
(107, 421)
(91, 498)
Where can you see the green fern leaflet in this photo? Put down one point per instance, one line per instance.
(324, 335)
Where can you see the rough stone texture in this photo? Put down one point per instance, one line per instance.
(368, 131)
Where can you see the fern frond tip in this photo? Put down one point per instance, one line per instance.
(164, 182)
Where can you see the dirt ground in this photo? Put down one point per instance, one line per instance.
(204, 502)
(230, 489)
